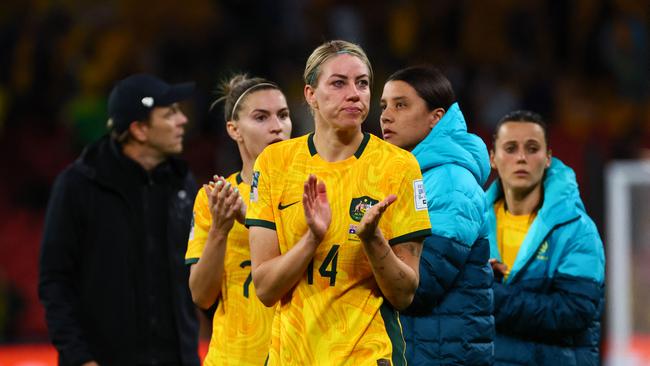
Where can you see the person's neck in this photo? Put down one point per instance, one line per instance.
(336, 144)
(522, 202)
(142, 155)
(247, 165)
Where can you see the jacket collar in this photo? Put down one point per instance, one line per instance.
(562, 204)
(104, 162)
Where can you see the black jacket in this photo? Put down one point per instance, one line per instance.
(93, 229)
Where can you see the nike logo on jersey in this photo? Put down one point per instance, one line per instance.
(282, 207)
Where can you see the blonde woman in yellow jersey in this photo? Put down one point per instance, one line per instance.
(337, 220)
(257, 115)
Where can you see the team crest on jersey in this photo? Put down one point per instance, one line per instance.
(254, 183)
(359, 206)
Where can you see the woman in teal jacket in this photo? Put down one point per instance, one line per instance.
(547, 255)
(450, 320)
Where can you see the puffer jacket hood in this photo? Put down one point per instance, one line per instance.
(449, 143)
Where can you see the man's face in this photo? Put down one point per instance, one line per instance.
(165, 130)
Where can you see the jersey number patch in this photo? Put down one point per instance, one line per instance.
(327, 268)
(247, 283)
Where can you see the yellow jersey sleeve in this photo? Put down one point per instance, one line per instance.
(201, 221)
(407, 219)
(260, 206)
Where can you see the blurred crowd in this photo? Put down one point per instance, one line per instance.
(581, 64)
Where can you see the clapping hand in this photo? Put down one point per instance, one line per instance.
(316, 206)
(368, 229)
(225, 204)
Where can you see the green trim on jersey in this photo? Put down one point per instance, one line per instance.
(364, 142)
(238, 178)
(410, 237)
(190, 261)
(357, 154)
(262, 223)
(310, 144)
(394, 331)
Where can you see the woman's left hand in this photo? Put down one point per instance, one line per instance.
(368, 229)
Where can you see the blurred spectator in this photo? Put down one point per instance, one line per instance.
(624, 47)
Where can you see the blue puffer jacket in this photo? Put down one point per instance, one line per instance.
(450, 320)
(548, 311)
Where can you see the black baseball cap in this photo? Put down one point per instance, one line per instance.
(134, 97)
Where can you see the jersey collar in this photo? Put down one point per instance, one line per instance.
(357, 154)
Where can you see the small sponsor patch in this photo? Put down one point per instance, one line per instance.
(383, 362)
(254, 184)
(282, 207)
(419, 195)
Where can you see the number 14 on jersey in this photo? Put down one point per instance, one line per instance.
(327, 269)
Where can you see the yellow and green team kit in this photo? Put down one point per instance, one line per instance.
(336, 314)
(241, 327)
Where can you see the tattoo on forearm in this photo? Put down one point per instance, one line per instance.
(385, 254)
(413, 249)
(416, 249)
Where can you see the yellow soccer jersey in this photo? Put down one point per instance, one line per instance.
(336, 314)
(511, 232)
(241, 327)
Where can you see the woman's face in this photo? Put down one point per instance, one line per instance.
(263, 120)
(520, 155)
(342, 94)
(405, 119)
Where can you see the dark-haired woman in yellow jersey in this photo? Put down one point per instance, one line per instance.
(337, 219)
(257, 115)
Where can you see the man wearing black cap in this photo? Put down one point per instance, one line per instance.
(112, 273)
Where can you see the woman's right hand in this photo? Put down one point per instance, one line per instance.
(224, 202)
(317, 208)
(500, 269)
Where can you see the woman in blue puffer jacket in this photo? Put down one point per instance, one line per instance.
(450, 320)
(547, 255)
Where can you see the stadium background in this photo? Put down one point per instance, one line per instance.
(583, 64)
